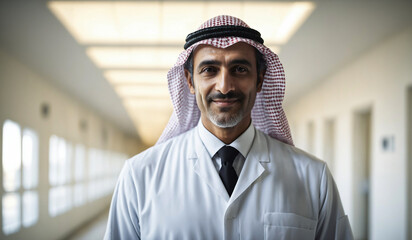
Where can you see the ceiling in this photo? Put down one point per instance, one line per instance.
(335, 33)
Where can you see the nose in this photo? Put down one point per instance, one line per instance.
(224, 82)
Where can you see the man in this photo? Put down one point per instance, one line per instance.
(233, 174)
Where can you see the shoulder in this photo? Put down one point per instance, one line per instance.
(161, 152)
(286, 154)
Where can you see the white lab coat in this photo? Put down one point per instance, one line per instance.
(173, 191)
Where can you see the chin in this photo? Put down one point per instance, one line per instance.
(230, 122)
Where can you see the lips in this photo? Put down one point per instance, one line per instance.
(226, 102)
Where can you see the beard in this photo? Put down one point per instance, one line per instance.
(225, 119)
(225, 122)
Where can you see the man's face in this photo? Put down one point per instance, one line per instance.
(225, 84)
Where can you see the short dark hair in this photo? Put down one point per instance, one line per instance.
(260, 63)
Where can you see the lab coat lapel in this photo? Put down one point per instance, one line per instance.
(252, 169)
(204, 167)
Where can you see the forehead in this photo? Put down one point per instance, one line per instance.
(236, 51)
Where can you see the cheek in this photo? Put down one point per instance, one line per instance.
(202, 89)
(250, 94)
(248, 88)
(200, 96)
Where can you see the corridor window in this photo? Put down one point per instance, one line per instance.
(30, 208)
(116, 164)
(11, 213)
(19, 201)
(103, 169)
(30, 159)
(95, 164)
(60, 155)
(59, 200)
(11, 156)
(80, 155)
(79, 172)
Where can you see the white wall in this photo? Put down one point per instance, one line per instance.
(22, 92)
(377, 80)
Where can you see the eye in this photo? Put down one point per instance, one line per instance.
(240, 69)
(208, 69)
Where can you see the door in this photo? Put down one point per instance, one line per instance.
(362, 150)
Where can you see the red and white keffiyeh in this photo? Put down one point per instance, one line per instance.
(267, 114)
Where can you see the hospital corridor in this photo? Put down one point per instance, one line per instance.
(84, 87)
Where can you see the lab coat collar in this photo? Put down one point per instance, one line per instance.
(204, 167)
(253, 168)
(251, 171)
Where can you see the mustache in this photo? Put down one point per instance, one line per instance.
(229, 95)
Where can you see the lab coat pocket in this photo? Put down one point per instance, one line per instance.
(288, 226)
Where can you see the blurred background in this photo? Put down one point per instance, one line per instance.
(83, 88)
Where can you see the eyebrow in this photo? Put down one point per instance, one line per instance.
(208, 62)
(240, 61)
(233, 62)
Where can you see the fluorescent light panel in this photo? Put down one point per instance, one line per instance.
(116, 77)
(161, 105)
(143, 91)
(133, 57)
(168, 22)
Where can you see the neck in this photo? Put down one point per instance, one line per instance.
(227, 135)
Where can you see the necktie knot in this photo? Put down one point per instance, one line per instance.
(228, 155)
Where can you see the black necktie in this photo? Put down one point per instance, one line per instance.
(227, 173)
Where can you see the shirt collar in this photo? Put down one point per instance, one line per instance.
(243, 143)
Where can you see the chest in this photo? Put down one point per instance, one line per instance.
(184, 203)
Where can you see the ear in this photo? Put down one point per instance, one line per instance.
(189, 81)
(261, 76)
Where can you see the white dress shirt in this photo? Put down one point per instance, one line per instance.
(213, 144)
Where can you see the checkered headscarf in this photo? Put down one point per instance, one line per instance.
(267, 113)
